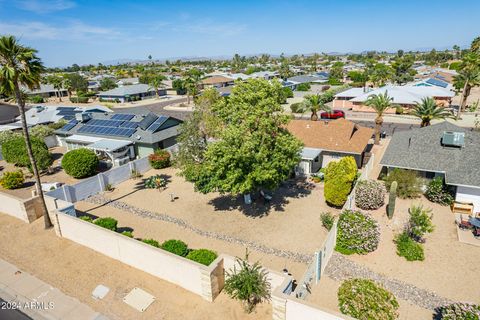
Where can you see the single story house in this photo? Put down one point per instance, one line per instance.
(130, 92)
(444, 150)
(46, 91)
(51, 114)
(267, 75)
(307, 79)
(326, 141)
(342, 99)
(119, 136)
(127, 81)
(217, 82)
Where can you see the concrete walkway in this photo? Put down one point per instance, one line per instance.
(39, 300)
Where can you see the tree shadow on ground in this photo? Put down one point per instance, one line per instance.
(260, 207)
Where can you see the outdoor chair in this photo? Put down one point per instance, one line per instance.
(464, 223)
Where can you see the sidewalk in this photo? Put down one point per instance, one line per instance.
(39, 300)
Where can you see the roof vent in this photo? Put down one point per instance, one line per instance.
(83, 117)
(453, 139)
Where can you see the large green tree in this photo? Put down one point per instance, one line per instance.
(403, 71)
(379, 103)
(252, 149)
(428, 110)
(20, 65)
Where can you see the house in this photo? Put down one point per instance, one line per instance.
(342, 99)
(440, 150)
(405, 96)
(130, 92)
(217, 82)
(127, 81)
(307, 79)
(120, 137)
(267, 75)
(326, 141)
(46, 91)
(51, 114)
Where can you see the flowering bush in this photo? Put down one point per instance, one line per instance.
(155, 182)
(438, 192)
(159, 159)
(12, 179)
(357, 233)
(459, 311)
(370, 194)
(364, 299)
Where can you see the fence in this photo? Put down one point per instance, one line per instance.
(98, 183)
(27, 210)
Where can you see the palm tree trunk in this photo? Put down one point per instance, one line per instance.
(314, 116)
(59, 96)
(378, 126)
(21, 108)
(463, 101)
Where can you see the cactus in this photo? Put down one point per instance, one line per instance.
(391, 199)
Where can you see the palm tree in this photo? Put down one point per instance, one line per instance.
(19, 65)
(155, 83)
(192, 82)
(428, 110)
(314, 103)
(380, 103)
(468, 77)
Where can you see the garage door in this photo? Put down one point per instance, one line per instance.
(327, 158)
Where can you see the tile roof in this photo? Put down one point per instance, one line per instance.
(217, 79)
(335, 135)
(421, 149)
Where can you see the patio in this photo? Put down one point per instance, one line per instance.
(466, 235)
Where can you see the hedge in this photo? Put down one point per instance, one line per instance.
(177, 247)
(12, 180)
(203, 256)
(339, 178)
(15, 151)
(151, 242)
(80, 163)
(107, 223)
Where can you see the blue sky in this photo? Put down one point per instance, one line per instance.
(70, 31)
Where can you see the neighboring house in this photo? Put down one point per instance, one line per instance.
(127, 81)
(307, 79)
(444, 150)
(267, 75)
(343, 99)
(326, 141)
(46, 91)
(50, 114)
(238, 76)
(120, 137)
(406, 96)
(130, 92)
(217, 82)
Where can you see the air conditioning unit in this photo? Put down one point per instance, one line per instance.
(453, 139)
(82, 117)
(121, 161)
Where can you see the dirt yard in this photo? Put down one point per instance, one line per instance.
(77, 270)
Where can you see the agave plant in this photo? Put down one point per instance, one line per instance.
(428, 110)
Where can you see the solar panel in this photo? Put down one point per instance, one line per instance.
(129, 124)
(121, 116)
(104, 123)
(109, 131)
(69, 125)
(154, 126)
(147, 121)
(438, 83)
(65, 108)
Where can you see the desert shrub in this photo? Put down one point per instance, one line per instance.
(12, 180)
(287, 92)
(409, 184)
(420, 222)
(296, 107)
(79, 99)
(107, 223)
(177, 247)
(155, 182)
(159, 159)
(303, 87)
(370, 194)
(152, 242)
(357, 233)
(439, 193)
(86, 218)
(41, 131)
(80, 163)
(327, 220)
(399, 110)
(408, 248)
(36, 99)
(458, 311)
(339, 178)
(8, 135)
(364, 300)
(128, 234)
(15, 151)
(57, 125)
(203, 256)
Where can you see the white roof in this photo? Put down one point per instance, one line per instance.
(353, 92)
(407, 94)
(84, 139)
(109, 144)
(310, 153)
(10, 126)
(236, 76)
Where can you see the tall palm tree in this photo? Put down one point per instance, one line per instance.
(468, 77)
(192, 82)
(380, 103)
(314, 103)
(428, 110)
(19, 65)
(155, 83)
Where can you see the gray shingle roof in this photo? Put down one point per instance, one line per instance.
(127, 90)
(421, 149)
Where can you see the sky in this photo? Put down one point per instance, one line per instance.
(73, 31)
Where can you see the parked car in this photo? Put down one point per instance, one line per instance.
(334, 114)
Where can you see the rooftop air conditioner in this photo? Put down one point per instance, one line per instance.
(82, 117)
(453, 139)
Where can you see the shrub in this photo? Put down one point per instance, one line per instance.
(420, 222)
(41, 131)
(203, 256)
(370, 194)
(339, 178)
(408, 248)
(327, 220)
(57, 125)
(357, 233)
(134, 174)
(159, 159)
(152, 242)
(364, 300)
(79, 99)
(86, 218)
(399, 110)
(36, 99)
(458, 311)
(155, 182)
(408, 183)
(12, 180)
(303, 87)
(177, 247)
(296, 107)
(80, 163)
(8, 135)
(107, 223)
(128, 234)
(438, 192)
(15, 151)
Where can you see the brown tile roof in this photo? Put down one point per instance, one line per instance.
(217, 79)
(334, 135)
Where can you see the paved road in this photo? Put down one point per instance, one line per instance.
(9, 314)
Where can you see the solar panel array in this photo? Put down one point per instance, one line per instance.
(436, 82)
(108, 131)
(123, 116)
(68, 113)
(69, 125)
(105, 123)
(147, 121)
(129, 124)
(157, 124)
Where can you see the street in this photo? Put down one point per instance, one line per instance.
(11, 314)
